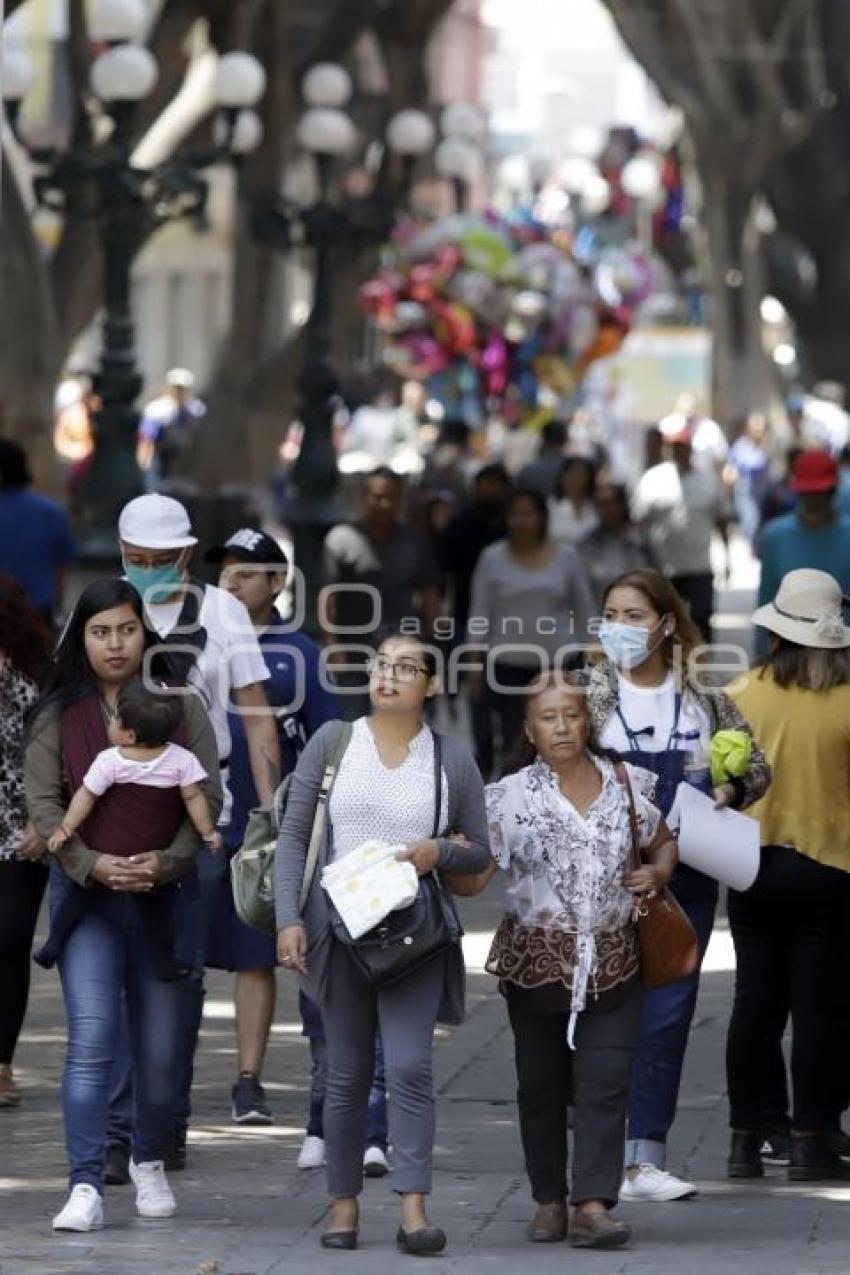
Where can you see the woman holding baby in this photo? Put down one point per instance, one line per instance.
(122, 882)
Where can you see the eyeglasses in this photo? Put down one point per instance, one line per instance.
(400, 671)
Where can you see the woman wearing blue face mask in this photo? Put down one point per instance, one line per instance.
(650, 703)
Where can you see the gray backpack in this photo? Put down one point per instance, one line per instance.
(252, 867)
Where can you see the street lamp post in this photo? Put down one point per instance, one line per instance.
(327, 133)
(128, 201)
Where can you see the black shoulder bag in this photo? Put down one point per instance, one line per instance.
(413, 936)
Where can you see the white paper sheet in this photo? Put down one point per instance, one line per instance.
(723, 844)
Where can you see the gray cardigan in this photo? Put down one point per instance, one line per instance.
(466, 816)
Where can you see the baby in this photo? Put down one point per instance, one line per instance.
(142, 753)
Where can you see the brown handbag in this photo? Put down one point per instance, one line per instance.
(669, 948)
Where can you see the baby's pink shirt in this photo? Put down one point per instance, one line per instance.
(173, 768)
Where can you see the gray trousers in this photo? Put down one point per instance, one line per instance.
(406, 1014)
(594, 1078)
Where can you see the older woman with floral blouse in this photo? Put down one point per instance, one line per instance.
(566, 953)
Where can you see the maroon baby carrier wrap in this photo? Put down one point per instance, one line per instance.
(128, 819)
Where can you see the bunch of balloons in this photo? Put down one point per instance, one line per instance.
(505, 305)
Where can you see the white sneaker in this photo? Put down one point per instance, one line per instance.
(154, 1197)
(83, 1211)
(646, 1182)
(312, 1154)
(375, 1163)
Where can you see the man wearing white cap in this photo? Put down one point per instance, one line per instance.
(215, 650)
(210, 629)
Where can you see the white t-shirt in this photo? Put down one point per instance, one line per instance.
(645, 707)
(174, 767)
(230, 660)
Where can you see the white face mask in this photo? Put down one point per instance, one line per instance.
(626, 645)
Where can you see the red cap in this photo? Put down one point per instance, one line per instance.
(814, 471)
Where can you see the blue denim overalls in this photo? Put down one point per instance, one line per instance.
(667, 1010)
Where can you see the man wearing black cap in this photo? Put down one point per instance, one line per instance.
(254, 569)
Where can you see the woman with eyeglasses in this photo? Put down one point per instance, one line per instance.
(385, 788)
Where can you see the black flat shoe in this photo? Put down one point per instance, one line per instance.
(745, 1156)
(813, 1160)
(424, 1242)
(345, 1241)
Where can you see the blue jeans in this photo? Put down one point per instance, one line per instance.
(210, 870)
(106, 966)
(376, 1119)
(657, 1071)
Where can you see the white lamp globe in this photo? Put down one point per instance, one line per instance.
(641, 178)
(16, 74)
(595, 196)
(514, 174)
(246, 135)
(325, 131)
(326, 84)
(457, 159)
(586, 140)
(464, 121)
(116, 21)
(240, 80)
(575, 173)
(125, 73)
(410, 133)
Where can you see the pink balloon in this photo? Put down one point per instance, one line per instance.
(494, 363)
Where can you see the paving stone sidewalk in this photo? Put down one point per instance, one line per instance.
(244, 1209)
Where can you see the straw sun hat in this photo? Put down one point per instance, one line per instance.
(807, 610)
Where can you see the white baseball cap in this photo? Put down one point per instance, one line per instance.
(156, 522)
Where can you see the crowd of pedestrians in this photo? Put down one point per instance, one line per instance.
(571, 615)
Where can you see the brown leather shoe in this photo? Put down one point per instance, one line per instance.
(549, 1224)
(597, 1230)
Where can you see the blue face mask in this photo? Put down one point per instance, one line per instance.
(155, 584)
(626, 645)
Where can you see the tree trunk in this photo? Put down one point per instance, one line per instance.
(741, 378)
(29, 358)
(809, 193)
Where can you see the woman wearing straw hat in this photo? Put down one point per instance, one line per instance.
(787, 928)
